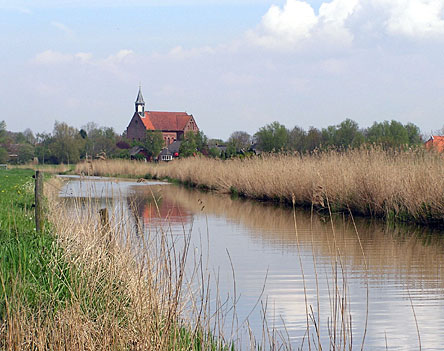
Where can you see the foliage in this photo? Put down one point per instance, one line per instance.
(2, 131)
(188, 147)
(25, 153)
(272, 138)
(313, 140)
(344, 135)
(66, 143)
(393, 134)
(296, 139)
(3, 155)
(240, 140)
(214, 152)
(193, 144)
(153, 142)
(98, 140)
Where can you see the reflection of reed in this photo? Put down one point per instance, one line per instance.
(406, 253)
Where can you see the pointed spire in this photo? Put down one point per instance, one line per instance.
(139, 99)
(140, 104)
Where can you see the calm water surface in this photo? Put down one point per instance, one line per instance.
(401, 270)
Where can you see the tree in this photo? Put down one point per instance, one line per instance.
(240, 140)
(66, 143)
(348, 134)
(313, 139)
(153, 142)
(201, 142)
(214, 152)
(194, 143)
(215, 142)
(272, 138)
(25, 153)
(29, 136)
(42, 150)
(414, 134)
(3, 155)
(389, 134)
(98, 140)
(2, 131)
(188, 147)
(296, 139)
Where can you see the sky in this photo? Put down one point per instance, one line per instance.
(232, 64)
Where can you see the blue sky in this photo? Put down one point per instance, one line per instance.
(235, 65)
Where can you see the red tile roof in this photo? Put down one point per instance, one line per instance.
(166, 120)
(146, 121)
(435, 142)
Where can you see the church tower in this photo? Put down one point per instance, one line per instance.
(140, 104)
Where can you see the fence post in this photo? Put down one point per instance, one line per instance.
(104, 221)
(39, 220)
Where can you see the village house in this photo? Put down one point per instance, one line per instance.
(173, 125)
(435, 143)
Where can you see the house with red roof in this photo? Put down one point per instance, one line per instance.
(435, 143)
(173, 125)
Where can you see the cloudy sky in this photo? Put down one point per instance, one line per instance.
(233, 64)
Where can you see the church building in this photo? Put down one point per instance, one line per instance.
(173, 125)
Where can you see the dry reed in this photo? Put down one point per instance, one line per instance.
(406, 186)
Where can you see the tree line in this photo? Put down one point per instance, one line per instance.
(67, 144)
(347, 134)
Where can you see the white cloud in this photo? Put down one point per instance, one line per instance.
(83, 57)
(179, 52)
(50, 57)
(119, 57)
(414, 18)
(64, 28)
(296, 24)
(338, 11)
(287, 26)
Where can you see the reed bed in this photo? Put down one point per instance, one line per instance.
(400, 185)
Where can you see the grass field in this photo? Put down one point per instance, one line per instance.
(403, 186)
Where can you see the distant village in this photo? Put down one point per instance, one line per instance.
(160, 136)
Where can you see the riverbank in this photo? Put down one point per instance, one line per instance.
(403, 186)
(81, 285)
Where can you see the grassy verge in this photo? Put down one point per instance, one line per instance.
(26, 268)
(401, 186)
(86, 287)
(47, 168)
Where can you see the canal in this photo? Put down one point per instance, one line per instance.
(279, 274)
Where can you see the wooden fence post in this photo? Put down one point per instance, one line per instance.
(39, 220)
(104, 221)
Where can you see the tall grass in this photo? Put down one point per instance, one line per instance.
(405, 186)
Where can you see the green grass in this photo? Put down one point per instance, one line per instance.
(31, 271)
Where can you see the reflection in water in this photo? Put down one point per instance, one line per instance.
(151, 208)
(405, 265)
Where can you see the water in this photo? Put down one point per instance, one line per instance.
(267, 260)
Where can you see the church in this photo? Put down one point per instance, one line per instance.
(173, 125)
